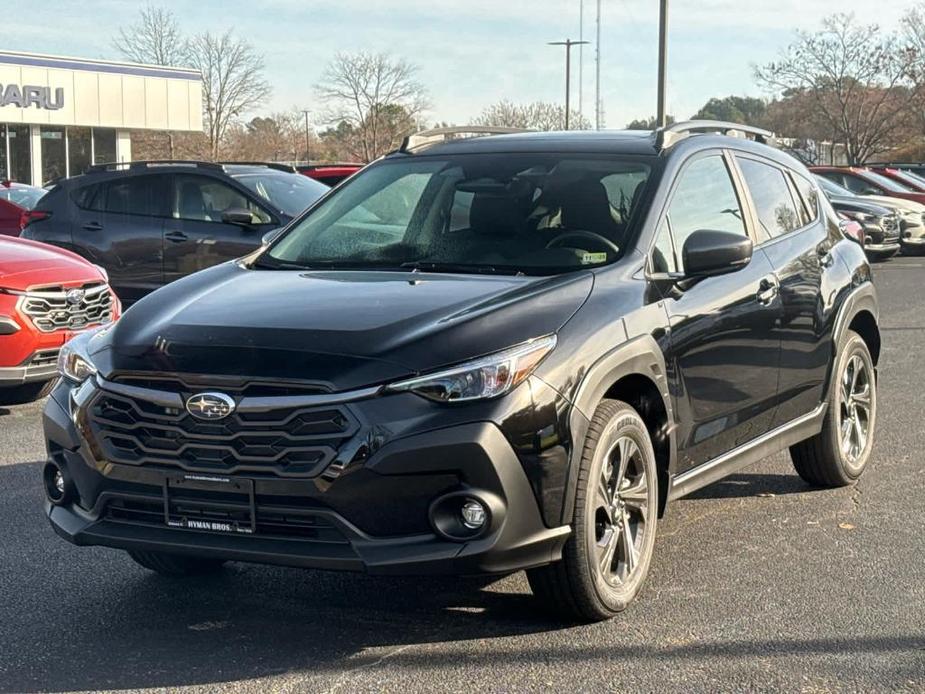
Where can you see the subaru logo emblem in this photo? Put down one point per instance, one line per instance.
(75, 297)
(210, 406)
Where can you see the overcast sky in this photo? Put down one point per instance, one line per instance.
(475, 52)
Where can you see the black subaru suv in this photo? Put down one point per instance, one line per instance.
(479, 356)
(151, 222)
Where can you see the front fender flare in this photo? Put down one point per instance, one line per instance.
(640, 356)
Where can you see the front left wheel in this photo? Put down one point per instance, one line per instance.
(607, 556)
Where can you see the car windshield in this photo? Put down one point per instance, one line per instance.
(287, 193)
(832, 188)
(887, 183)
(472, 213)
(25, 196)
(910, 179)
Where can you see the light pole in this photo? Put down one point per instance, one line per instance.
(305, 113)
(662, 116)
(568, 43)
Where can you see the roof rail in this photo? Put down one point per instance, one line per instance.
(667, 136)
(426, 138)
(144, 164)
(276, 166)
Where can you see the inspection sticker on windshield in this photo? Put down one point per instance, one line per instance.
(593, 258)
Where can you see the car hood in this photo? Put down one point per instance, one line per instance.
(342, 330)
(857, 205)
(895, 203)
(25, 264)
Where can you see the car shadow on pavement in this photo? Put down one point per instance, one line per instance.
(745, 485)
(89, 618)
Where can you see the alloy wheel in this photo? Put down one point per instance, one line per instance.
(621, 511)
(855, 409)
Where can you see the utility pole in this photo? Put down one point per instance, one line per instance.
(662, 116)
(307, 151)
(581, 57)
(597, 72)
(568, 43)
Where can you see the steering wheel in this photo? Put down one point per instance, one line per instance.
(585, 236)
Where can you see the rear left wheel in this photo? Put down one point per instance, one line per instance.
(606, 559)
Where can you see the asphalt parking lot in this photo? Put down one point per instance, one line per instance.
(758, 582)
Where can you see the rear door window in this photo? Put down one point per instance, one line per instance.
(774, 204)
(135, 195)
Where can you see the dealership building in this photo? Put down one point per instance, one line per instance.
(60, 115)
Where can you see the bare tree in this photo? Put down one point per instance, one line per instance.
(539, 115)
(155, 39)
(858, 81)
(232, 82)
(365, 92)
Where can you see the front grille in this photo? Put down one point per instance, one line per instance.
(60, 308)
(43, 357)
(292, 441)
(273, 520)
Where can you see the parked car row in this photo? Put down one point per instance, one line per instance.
(150, 223)
(887, 202)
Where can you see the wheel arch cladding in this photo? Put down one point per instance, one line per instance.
(635, 373)
(865, 325)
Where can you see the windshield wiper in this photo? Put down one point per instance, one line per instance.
(429, 266)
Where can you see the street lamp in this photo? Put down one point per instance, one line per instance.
(662, 116)
(568, 43)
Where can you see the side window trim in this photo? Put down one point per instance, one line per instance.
(738, 188)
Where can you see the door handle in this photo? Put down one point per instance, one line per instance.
(768, 289)
(176, 236)
(93, 226)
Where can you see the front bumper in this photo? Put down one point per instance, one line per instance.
(371, 517)
(29, 373)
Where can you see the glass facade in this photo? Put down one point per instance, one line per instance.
(59, 152)
(104, 145)
(79, 150)
(19, 147)
(54, 154)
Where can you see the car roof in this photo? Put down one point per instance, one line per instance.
(623, 141)
(626, 142)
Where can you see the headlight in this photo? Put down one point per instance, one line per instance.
(483, 378)
(73, 361)
(863, 217)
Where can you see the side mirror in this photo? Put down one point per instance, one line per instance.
(239, 216)
(708, 253)
(269, 237)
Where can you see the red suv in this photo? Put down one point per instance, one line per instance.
(329, 174)
(862, 181)
(47, 295)
(16, 203)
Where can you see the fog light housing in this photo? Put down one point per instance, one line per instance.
(466, 514)
(58, 486)
(474, 514)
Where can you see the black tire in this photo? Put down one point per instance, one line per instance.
(576, 586)
(830, 458)
(880, 256)
(27, 392)
(176, 564)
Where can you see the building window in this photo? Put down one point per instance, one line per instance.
(104, 145)
(4, 169)
(54, 154)
(20, 148)
(78, 150)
